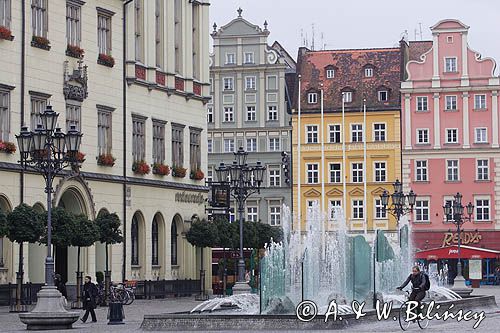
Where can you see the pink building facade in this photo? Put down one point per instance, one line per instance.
(450, 137)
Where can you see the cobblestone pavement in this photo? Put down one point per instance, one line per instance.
(9, 322)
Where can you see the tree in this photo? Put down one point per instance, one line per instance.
(3, 224)
(109, 230)
(62, 227)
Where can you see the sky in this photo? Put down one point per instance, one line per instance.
(364, 23)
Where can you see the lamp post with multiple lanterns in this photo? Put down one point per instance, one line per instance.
(402, 204)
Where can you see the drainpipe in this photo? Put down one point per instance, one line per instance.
(23, 68)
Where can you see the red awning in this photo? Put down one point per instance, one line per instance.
(451, 252)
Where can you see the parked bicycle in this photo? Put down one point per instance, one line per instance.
(118, 292)
(403, 322)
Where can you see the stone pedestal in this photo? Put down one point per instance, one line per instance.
(460, 287)
(49, 312)
(241, 288)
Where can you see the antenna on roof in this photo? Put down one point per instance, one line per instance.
(313, 36)
(322, 41)
(419, 31)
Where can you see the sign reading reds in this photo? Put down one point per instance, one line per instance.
(466, 238)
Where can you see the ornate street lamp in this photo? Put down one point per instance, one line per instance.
(244, 181)
(454, 213)
(402, 204)
(48, 151)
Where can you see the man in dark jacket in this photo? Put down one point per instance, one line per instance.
(60, 285)
(89, 299)
(420, 284)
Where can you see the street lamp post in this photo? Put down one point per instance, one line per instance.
(402, 204)
(454, 212)
(244, 181)
(48, 151)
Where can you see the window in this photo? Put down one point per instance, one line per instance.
(173, 243)
(334, 131)
(312, 205)
(479, 102)
(449, 39)
(312, 173)
(348, 96)
(335, 173)
(139, 28)
(251, 144)
(4, 114)
(452, 171)
(228, 145)
(272, 113)
(104, 33)
(422, 210)
(380, 212)
(451, 135)
(228, 83)
(196, 33)
(39, 18)
(230, 58)
(451, 102)
(312, 98)
(249, 58)
(383, 95)
(421, 171)
(334, 205)
(138, 138)
(482, 167)
(5, 15)
(422, 135)
(358, 209)
(154, 243)
(274, 176)
(380, 172)
(73, 116)
(368, 72)
(159, 18)
(251, 113)
(250, 83)
(228, 114)
(422, 103)
(210, 114)
(450, 65)
(210, 174)
(274, 144)
(134, 240)
(312, 133)
(272, 82)
(178, 36)
(210, 145)
(357, 172)
(252, 215)
(379, 132)
(330, 73)
(194, 148)
(104, 131)
(73, 23)
(38, 105)
(482, 209)
(356, 133)
(274, 214)
(177, 145)
(481, 135)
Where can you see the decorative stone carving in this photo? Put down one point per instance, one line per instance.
(272, 56)
(75, 84)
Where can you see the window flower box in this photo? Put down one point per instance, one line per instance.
(7, 147)
(106, 60)
(5, 33)
(40, 42)
(106, 160)
(79, 157)
(197, 175)
(161, 169)
(74, 51)
(179, 172)
(141, 168)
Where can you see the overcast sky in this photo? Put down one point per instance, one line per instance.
(364, 23)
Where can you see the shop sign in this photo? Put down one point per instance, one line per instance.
(184, 197)
(475, 270)
(466, 238)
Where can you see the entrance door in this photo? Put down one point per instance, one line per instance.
(62, 262)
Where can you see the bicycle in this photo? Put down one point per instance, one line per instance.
(120, 293)
(423, 323)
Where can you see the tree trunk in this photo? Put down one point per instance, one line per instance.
(78, 282)
(107, 278)
(224, 277)
(19, 280)
(202, 273)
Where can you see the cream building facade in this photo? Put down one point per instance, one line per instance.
(148, 108)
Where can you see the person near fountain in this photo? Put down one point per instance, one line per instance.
(420, 284)
(89, 299)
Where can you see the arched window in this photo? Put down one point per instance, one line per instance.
(134, 236)
(173, 243)
(154, 243)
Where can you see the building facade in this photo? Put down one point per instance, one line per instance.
(347, 159)
(249, 109)
(450, 137)
(133, 77)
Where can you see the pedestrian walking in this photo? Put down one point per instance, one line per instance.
(497, 276)
(61, 287)
(90, 293)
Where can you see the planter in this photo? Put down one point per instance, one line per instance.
(106, 160)
(7, 147)
(141, 168)
(106, 60)
(40, 42)
(5, 33)
(179, 172)
(197, 175)
(74, 51)
(161, 169)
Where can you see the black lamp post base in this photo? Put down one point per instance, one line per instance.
(49, 312)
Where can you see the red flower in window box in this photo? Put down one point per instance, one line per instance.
(5, 33)
(106, 60)
(197, 175)
(179, 172)
(161, 169)
(7, 147)
(74, 51)
(141, 168)
(80, 157)
(106, 160)
(40, 42)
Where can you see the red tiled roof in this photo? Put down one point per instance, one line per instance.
(349, 68)
(417, 48)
